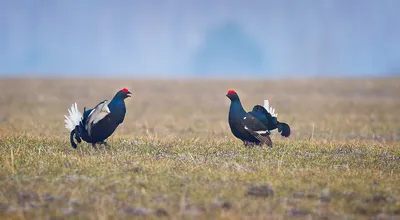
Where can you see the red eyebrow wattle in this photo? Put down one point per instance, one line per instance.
(230, 92)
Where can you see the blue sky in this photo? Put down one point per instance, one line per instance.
(205, 37)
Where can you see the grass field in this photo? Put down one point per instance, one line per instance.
(174, 156)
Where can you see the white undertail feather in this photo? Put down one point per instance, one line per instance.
(73, 119)
(270, 109)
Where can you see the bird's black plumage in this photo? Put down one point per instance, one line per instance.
(270, 121)
(97, 128)
(253, 127)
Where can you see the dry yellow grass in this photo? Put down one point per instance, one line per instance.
(174, 155)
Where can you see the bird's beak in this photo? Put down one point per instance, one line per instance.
(128, 94)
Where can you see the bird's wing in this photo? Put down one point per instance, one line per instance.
(99, 112)
(263, 138)
(252, 123)
(256, 128)
(259, 115)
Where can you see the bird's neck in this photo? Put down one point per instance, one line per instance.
(116, 102)
(236, 108)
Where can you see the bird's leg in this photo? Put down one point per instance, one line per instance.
(94, 146)
(105, 145)
(250, 144)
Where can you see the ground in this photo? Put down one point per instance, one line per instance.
(174, 156)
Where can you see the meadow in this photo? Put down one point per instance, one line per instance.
(174, 156)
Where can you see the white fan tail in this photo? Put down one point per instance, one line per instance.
(73, 119)
(270, 109)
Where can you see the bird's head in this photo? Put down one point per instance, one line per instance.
(123, 93)
(232, 95)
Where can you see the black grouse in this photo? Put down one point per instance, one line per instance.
(96, 124)
(254, 127)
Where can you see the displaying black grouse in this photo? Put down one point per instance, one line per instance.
(254, 127)
(96, 124)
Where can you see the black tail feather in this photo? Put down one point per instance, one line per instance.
(71, 139)
(77, 134)
(284, 129)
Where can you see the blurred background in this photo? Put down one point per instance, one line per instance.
(205, 38)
